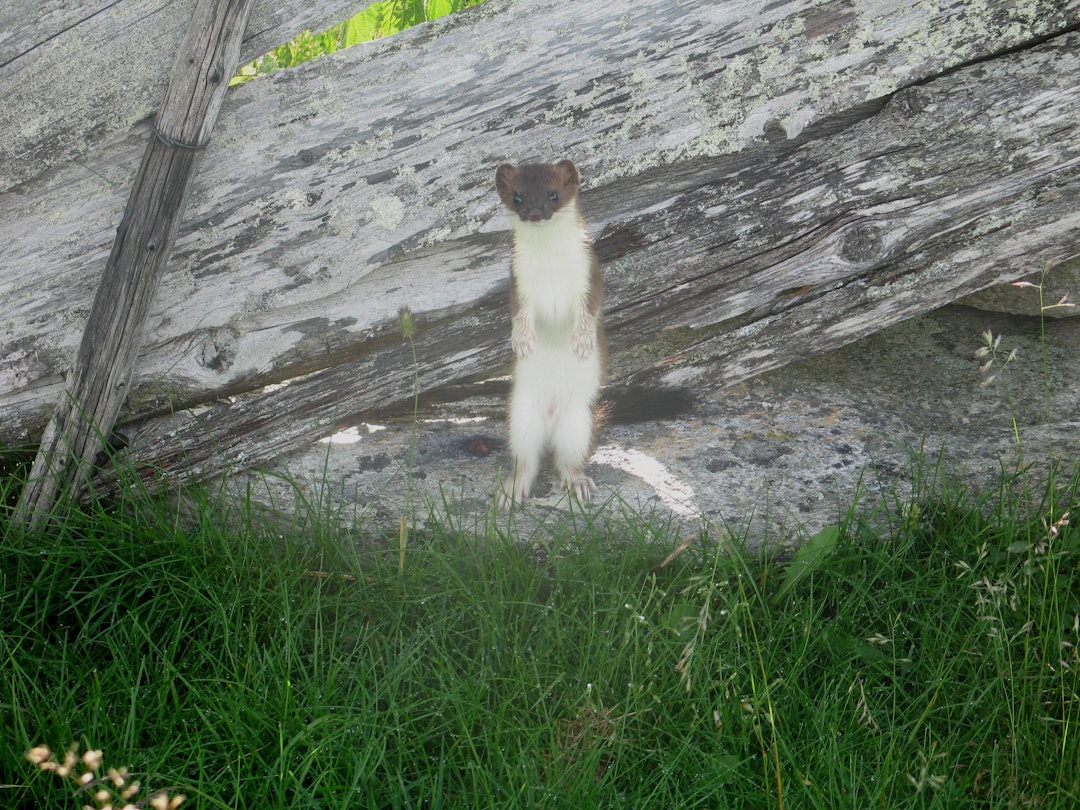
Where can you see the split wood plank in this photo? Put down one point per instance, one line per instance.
(98, 386)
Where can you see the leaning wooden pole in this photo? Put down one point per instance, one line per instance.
(98, 384)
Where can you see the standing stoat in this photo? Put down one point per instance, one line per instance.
(556, 329)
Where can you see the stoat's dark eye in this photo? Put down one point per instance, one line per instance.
(553, 195)
(518, 200)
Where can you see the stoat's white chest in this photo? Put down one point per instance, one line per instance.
(551, 267)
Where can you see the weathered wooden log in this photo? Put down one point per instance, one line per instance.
(748, 171)
(86, 413)
(854, 226)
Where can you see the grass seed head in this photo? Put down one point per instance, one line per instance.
(408, 322)
(114, 784)
(39, 755)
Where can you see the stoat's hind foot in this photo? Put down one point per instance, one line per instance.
(512, 490)
(579, 486)
(503, 499)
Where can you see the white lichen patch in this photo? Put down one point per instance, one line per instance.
(411, 183)
(819, 50)
(267, 205)
(880, 86)
(989, 224)
(296, 200)
(388, 212)
(433, 236)
(363, 153)
(497, 50)
(774, 63)
(642, 76)
(863, 35)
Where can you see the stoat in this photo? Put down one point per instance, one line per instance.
(556, 331)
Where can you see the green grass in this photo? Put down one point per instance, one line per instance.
(929, 663)
(380, 19)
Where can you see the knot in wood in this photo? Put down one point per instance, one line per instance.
(219, 350)
(860, 243)
(774, 131)
(908, 102)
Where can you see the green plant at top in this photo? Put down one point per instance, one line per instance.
(376, 21)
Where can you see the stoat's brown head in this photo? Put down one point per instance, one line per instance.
(535, 191)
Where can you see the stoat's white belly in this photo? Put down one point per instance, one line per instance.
(556, 377)
(551, 269)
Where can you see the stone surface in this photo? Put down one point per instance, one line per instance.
(775, 458)
(1050, 292)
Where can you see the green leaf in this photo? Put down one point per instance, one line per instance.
(440, 8)
(365, 26)
(808, 559)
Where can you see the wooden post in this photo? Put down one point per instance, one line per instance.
(98, 384)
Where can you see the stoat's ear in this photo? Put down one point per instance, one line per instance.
(569, 173)
(504, 176)
(505, 180)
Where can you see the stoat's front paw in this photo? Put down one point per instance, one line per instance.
(584, 342)
(522, 335)
(583, 338)
(522, 342)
